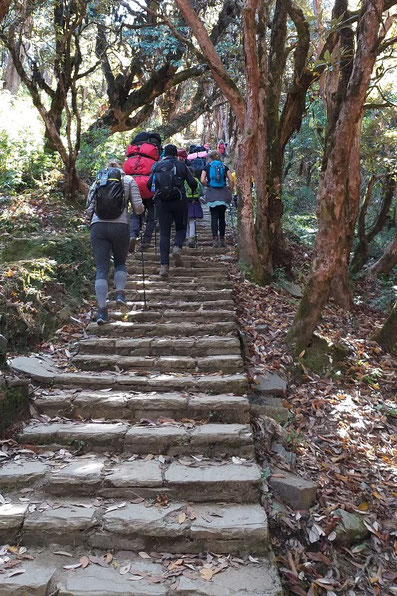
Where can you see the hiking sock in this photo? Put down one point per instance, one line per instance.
(120, 277)
(101, 291)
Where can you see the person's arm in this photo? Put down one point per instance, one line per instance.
(90, 205)
(231, 181)
(133, 196)
(203, 178)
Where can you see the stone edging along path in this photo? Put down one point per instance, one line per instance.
(138, 475)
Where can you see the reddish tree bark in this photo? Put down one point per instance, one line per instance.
(333, 189)
(249, 119)
(4, 6)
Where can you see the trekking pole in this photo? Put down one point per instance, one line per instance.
(143, 274)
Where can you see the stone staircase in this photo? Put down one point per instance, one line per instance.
(139, 465)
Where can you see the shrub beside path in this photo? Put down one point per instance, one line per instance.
(137, 474)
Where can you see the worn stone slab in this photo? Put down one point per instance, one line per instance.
(21, 472)
(62, 525)
(109, 435)
(156, 439)
(84, 474)
(100, 581)
(270, 383)
(40, 433)
(260, 579)
(134, 474)
(11, 520)
(33, 367)
(297, 492)
(33, 582)
(227, 363)
(267, 405)
(230, 482)
(113, 404)
(246, 525)
(291, 288)
(230, 438)
(150, 521)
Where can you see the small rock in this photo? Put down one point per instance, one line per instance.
(350, 529)
(270, 384)
(287, 455)
(297, 492)
(33, 367)
(291, 288)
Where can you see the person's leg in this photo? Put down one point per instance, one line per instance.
(101, 247)
(179, 212)
(150, 221)
(222, 224)
(165, 220)
(135, 226)
(118, 234)
(214, 226)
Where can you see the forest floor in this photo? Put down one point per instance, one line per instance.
(342, 423)
(343, 428)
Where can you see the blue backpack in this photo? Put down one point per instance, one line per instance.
(217, 174)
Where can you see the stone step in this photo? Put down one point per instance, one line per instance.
(161, 346)
(95, 475)
(182, 275)
(166, 439)
(166, 293)
(196, 329)
(190, 266)
(201, 251)
(174, 283)
(158, 305)
(169, 364)
(118, 405)
(45, 575)
(174, 315)
(177, 527)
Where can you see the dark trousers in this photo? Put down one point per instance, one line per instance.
(136, 222)
(169, 212)
(109, 239)
(218, 223)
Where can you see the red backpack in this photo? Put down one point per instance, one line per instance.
(139, 162)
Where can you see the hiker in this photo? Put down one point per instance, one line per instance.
(197, 159)
(217, 195)
(168, 178)
(141, 154)
(182, 155)
(195, 211)
(108, 202)
(221, 148)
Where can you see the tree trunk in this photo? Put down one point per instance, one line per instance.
(387, 335)
(341, 290)
(387, 261)
(4, 6)
(361, 253)
(333, 188)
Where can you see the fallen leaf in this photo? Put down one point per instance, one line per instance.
(206, 573)
(144, 555)
(84, 562)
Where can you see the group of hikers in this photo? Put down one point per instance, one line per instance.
(164, 184)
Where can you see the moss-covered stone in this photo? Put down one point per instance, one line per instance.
(323, 357)
(14, 405)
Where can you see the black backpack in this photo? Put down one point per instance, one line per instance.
(109, 194)
(167, 182)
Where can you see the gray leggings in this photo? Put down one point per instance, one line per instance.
(108, 239)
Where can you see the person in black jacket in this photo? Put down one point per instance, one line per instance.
(171, 204)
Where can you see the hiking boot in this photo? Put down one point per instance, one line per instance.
(191, 243)
(176, 255)
(102, 316)
(215, 243)
(121, 302)
(132, 245)
(164, 270)
(222, 243)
